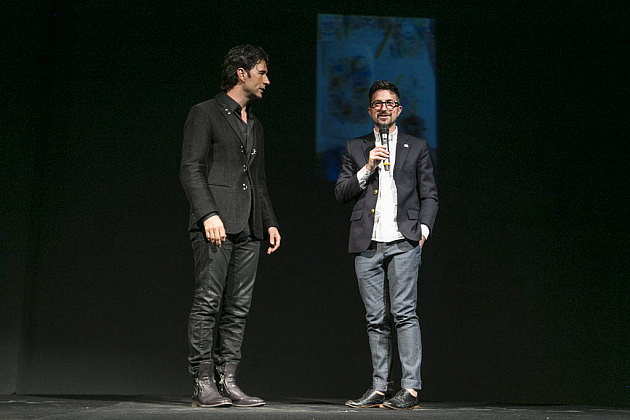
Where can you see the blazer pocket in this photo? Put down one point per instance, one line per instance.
(356, 215)
(412, 214)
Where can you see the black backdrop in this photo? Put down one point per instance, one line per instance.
(523, 290)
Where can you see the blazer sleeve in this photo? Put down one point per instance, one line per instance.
(196, 153)
(347, 187)
(268, 215)
(427, 188)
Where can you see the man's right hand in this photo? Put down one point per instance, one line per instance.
(377, 154)
(215, 232)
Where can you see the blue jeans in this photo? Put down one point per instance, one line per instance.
(390, 301)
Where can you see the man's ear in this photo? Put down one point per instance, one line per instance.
(241, 74)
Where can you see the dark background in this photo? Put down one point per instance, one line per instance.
(524, 287)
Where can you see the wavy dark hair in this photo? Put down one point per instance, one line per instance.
(245, 56)
(382, 85)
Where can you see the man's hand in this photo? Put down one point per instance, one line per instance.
(422, 241)
(377, 154)
(215, 232)
(274, 239)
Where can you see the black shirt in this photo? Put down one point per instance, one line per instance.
(246, 127)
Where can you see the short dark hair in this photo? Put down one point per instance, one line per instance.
(382, 85)
(245, 56)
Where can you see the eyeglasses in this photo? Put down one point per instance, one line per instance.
(388, 104)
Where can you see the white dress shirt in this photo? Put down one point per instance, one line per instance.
(385, 224)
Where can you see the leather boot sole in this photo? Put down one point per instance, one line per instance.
(219, 404)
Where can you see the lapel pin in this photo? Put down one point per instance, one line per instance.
(406, 145)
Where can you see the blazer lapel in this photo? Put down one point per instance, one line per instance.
(227, 114)
(253, 153)
(369, 142)
(402, 149)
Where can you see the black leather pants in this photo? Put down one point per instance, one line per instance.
(224, 282)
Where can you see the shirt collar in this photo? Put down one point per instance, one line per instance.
(232, 105)
(392, 135)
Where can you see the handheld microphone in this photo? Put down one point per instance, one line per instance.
(384, 133)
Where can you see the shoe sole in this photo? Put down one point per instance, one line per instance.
(401, 408)
(364, 406)
(197, 404)
(249, 405)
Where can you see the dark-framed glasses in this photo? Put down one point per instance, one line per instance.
(387, 104)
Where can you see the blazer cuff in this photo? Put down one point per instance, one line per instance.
(207, 216)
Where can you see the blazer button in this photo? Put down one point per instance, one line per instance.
(372, 211)
(375, 191)
(244, 168)
(244, 187)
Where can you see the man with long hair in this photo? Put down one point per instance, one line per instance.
(223, 174)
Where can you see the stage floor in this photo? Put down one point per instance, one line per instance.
(145, 407)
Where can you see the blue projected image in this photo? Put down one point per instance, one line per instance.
(353, 52)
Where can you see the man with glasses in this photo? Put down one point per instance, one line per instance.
(394, 210)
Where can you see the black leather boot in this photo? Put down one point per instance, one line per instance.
(229, 388)
(205, 393)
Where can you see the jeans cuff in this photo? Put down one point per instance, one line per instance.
(380, 386)
(406, 383)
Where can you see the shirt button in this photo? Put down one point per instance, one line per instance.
(375, 191)
(244, 187)
(244, 168)
(372, 211)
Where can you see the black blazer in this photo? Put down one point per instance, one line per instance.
(219, 175)
(415, 185)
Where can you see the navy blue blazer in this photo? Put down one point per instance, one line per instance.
(415, 185)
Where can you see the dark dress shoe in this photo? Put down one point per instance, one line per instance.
(229, 388)
(370, 398)
(403, 400)
(205, 392)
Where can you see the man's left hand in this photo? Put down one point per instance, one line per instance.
(422, 241)
(274, 239)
